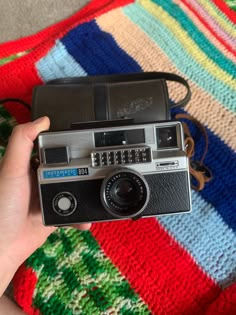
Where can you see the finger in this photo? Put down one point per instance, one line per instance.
(82, 227)
(16, 159)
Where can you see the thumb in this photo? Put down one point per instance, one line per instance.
(16, 160)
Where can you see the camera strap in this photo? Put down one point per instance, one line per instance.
(199, 172)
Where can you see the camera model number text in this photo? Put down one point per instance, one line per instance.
(83, 171)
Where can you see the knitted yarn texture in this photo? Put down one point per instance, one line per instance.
(174, 265)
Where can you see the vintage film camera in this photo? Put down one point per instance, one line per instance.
(111, 173)
(103, 157)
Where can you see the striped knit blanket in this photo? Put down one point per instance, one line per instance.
(184, 264)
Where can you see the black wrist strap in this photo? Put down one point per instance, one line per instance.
(15, 100)
(143, 76)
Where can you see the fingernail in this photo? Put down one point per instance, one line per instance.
(39, 120)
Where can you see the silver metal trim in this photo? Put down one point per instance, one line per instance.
(80, 143)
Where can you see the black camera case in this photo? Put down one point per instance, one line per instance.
(140, 97)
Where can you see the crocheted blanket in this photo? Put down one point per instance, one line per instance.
(181, 264)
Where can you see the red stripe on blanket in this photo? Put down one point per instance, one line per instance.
(206, 24)
(142, 251)
(231, 14)
(225, 304)
(25, 289)
(90, 11)
(20, 77)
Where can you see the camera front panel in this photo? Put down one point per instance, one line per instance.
(75, 165)
(80, 201)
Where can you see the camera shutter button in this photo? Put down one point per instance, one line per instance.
(64, 203)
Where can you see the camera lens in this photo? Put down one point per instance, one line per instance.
(166, 137)
(125, 193)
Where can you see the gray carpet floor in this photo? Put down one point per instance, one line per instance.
(20, 18)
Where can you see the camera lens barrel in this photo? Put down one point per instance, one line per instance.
(125, 193)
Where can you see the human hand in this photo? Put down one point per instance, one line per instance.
(21, 228)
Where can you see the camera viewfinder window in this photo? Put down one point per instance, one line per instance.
(166, 137)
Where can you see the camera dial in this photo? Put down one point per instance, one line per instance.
(64, 203)
(125, 193)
